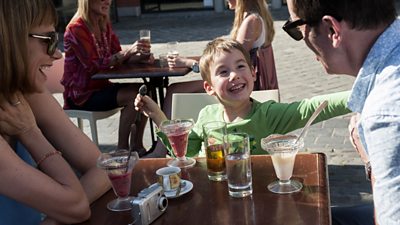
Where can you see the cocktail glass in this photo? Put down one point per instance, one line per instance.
(119, 171)
(283, 150)
(177, 132)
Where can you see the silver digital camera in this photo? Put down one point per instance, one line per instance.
(149, 205)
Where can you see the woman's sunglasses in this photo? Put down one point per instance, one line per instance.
(292, 28)
(51, 39)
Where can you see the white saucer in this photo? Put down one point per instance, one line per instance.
(172, 194)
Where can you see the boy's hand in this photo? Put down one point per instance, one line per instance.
(149, 108)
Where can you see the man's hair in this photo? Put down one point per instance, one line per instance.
(216, 47)
(17, 18)
(360, 14)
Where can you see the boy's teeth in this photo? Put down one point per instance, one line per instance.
(236, 87)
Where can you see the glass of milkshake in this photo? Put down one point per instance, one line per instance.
(177, 132)
(119, 166)
(283, 150)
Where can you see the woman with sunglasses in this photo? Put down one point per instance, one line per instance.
(40, 148)
(90, 45)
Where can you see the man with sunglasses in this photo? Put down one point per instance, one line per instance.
(361, 38)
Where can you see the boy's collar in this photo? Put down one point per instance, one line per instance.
(238, 119)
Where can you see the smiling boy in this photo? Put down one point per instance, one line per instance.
(228, 75)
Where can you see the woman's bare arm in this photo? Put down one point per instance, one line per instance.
(76, 147)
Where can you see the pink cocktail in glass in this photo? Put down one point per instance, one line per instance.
(121, 183)
(177, 132)
(119, 165)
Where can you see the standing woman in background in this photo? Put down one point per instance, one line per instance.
(36, 156)
(91, 45)
(253, 27)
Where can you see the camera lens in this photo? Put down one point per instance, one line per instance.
(162, 203)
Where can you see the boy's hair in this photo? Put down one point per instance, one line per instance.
(360, 14)
(215, 47)
(17, 18)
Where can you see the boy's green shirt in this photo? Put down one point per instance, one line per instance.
(266, 118)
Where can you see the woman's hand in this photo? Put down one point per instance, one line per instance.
(137, 48)
(177, 61)
(139, 52)
(16, 117)
(149, 108)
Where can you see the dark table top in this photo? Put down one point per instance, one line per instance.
(210, 203)
(140, 71)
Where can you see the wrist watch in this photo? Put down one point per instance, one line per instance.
(195, 67)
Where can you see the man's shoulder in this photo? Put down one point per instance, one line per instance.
(385, 96)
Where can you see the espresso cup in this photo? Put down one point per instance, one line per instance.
(169, 178)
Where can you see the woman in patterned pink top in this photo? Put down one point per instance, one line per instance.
(91, 45)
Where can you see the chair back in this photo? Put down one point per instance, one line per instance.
(188, 105)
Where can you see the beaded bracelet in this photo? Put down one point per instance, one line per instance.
(47, 155)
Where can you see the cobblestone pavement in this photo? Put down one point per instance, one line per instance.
(299, 74)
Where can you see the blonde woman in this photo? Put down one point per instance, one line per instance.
(40, 148)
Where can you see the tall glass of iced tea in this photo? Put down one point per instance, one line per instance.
(215, 142)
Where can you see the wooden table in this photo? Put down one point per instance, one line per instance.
(209, 201)
(155, 78)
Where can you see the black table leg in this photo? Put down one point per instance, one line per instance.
(156, 88)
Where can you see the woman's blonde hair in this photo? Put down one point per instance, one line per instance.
(253, 6)
(17, 18)
(83, 12)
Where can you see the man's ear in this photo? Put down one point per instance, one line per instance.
(334, 29)
(208, 88)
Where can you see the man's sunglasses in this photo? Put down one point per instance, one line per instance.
(292, 28)
(51, 39)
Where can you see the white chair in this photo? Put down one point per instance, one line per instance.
(188, 105)
(53, 84)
